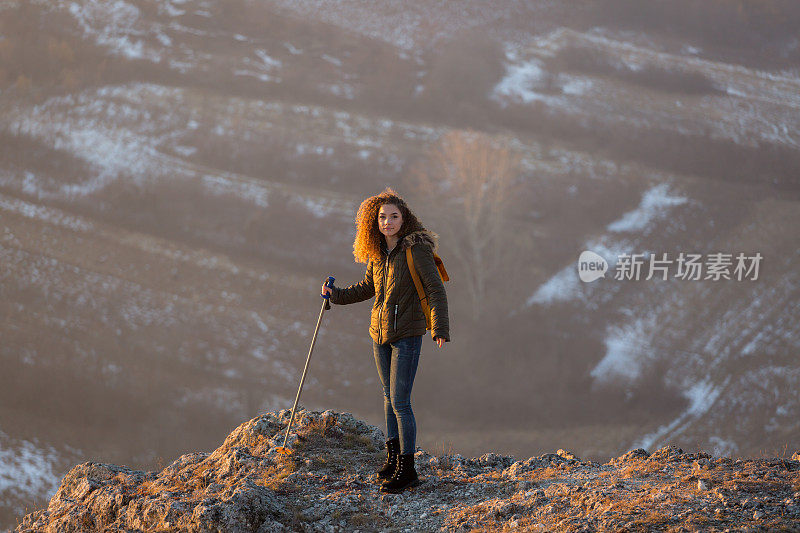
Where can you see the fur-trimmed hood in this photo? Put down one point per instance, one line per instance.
(420, 237)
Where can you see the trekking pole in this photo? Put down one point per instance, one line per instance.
(283, 450)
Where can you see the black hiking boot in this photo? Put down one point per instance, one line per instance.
(392, 451)
(405, 476)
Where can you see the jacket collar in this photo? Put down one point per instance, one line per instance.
(415, 237)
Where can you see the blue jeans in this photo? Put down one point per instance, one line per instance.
(397, 365)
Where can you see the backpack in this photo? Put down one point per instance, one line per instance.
(423, 298)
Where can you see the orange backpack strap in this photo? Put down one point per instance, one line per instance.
(423, 299)
(440, 266)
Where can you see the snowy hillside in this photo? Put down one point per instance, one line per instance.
(177, 178)
(743, 105)
(27, 472)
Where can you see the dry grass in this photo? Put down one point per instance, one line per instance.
(649, 520)
(551, 473)
(358, 441)
(639, 469)
(319, 426)
(644, 497)
(444, 447)
(256, 443)
(144, 489)
(274, 476)
(365, 519)
(492, 475)
(193, 482)
(190, 482)
(331, 450)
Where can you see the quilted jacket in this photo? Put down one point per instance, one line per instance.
(396, 310)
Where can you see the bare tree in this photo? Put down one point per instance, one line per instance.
(468, 181)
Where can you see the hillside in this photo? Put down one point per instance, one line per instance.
(177, 177)
(326, 485)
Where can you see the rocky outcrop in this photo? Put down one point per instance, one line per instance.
(327, 484)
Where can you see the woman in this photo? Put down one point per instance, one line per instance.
(385, 227)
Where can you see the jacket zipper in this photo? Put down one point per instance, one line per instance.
(395, 316)
(380, 311)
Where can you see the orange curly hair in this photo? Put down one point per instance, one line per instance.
(368, 237)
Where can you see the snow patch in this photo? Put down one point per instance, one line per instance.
(655, 204)
(566, 285)
(173, 11)
(28, 470)
(260, 323)
(164, 39)
(576, 86)
(722, 447)
(563, 286)
(627, 349)
(81, 124)
(519, 81)
(268, 60)
(292, 49)
(185, 151)
(259, 75)
(735, 92)
(342, 90)
(47, 214)
(223, 185)
(113, 25)
(319, 207)
(332, 60)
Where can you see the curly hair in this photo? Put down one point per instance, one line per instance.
(368, 237)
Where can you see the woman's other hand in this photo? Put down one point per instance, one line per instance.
(440, 341)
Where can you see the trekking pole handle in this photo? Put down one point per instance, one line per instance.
(328, 283)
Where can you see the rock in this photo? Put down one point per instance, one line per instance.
(502, 509)
(568, 455)
(328, 484)
(667, 454)
(494, 460)
(638, 453)
(84, 488)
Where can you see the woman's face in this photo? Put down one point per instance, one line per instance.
(389, 219)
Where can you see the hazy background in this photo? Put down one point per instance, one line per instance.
(177, 178)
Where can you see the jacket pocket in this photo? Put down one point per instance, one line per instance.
(374, 325)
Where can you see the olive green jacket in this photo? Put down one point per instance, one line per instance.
(397, 311)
